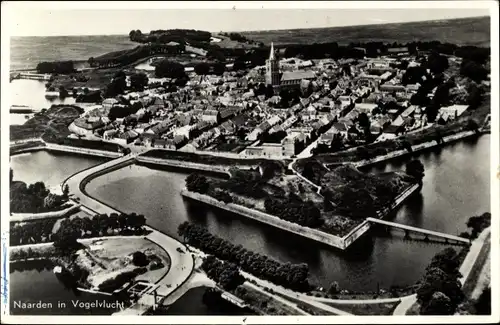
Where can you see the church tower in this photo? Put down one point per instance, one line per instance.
(273, 69)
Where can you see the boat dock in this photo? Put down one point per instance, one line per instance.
(21, 109)
(31, 76)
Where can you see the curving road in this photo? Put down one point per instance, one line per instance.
(182, 263)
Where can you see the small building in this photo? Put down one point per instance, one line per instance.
(128, 136)
(108, 135)
(161, 143)
(109, 102)
(454, 110)
(339, 127)
(398, 51)
(366, 108)
(392, 88)
(211, 115)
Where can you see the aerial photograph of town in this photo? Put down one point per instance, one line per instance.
(316, 162)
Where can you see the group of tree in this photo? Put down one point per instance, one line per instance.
(138, 81)
(94, 96)
(58, 67)
(170, 69)
(205, 68)
(35, 198)
(415, 169)
(483, 303)
(436, 62)
(440, 291)
(222, 195)
(117, 86)
(37, 231)
(473, 70)
(293, 276)
(313, 170)
(124, 111)
(477, 224)
(475, 96)
(355, 202)
(246, 182)
(275, 137)
(71, 229)
(261, 89)
(226, 274)
(170, 35)
(197, 183)
(293, 209)
(359, 50)
(289, 97)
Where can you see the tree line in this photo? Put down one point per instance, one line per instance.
(293, 276)
(205, 68)
(375, 49)
(34, 198)
(226, 274)
(293, 209)
(118, 84)
(69, 230)
(440, 291)
(170, 35)
(476, 225)
(90, 144)
(59, 67)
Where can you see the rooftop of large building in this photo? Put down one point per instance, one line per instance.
(297, 75)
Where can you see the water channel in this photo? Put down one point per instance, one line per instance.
(456, 186)
(31, 93)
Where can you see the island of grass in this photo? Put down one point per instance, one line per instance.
(347, 198)
(47, 124)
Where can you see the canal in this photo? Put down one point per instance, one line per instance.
(456, 186)
(31, 93)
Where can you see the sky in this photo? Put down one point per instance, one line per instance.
(57, 19)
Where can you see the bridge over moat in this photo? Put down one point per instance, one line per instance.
(427, 233)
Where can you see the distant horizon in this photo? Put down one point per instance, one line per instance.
(31, 19)
(263, 30)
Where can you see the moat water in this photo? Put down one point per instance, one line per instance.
(456, 186)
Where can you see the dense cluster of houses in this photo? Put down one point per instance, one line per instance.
(211, 112)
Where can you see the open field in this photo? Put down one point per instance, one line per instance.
(465, 31)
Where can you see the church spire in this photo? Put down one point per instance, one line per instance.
(271, 55)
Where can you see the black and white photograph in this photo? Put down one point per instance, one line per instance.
(319, 161)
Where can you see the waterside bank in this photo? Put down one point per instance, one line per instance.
(322, 237)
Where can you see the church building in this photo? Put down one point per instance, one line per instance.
(286, 79)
